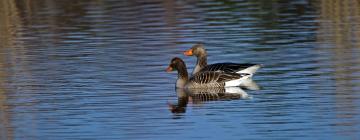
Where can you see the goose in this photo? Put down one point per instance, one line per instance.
(201, 65)
(205, 79)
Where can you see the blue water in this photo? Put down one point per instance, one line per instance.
(96, 69)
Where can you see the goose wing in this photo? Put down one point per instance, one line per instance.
(225, 77)
(215, 76)
(226, 67)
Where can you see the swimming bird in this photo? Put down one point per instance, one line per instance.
(199, 51)
(204, 79)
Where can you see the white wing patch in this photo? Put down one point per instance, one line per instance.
(237, 90)
(237, 82)
(250, 70)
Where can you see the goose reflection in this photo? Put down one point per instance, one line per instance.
(198, 96)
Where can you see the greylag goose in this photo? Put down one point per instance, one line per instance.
(205, 79)
(201, 65)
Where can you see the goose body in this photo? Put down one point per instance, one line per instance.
(209, 79)
(201, 65)
(205, 79)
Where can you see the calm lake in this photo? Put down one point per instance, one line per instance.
(96, 69)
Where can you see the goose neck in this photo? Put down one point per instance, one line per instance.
(201, 61)
(182, 76)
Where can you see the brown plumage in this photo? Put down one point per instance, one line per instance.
(204, 79)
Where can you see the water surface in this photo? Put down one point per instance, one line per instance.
(96, 69)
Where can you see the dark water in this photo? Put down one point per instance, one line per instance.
(96, 69)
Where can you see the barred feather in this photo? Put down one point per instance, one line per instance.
(212, 79)
(226, 67)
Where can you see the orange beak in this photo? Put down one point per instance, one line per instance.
(188, 52)
(169, 69)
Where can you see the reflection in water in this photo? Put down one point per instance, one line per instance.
(200, 95)
(93, 69)
(9, 24)
(339, 36)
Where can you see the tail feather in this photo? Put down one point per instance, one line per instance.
(250, 70)
(238, 91)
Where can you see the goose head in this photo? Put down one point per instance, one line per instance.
(176, 64)
(198, 50)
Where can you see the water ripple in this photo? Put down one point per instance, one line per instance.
(96, 69)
